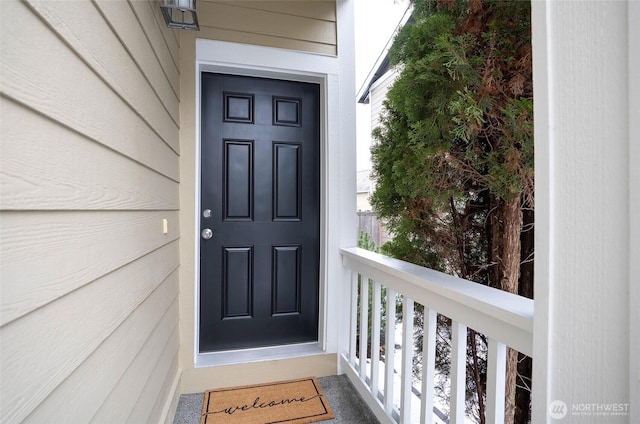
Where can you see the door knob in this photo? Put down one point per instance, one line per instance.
(207, 233)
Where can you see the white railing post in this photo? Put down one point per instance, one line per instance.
(458, 371)
(390, 350)
(407, 361)
(375, 339)
(428, 365)
(353, 324)
(364, 324)
(496, 374)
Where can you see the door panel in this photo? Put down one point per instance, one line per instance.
(260, 163)
(286, 280)
(287, 184)
(238, 180)
(237, 282)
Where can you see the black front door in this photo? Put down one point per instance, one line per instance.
(260, 167)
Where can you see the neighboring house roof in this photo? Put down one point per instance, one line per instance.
(382, 64)
(364, 181)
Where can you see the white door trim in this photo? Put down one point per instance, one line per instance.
(337, 141)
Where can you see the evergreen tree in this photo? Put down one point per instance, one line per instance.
(453, 157)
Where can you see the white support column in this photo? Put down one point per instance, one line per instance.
(390, 350)
(428, 365)
(633, 47)
(496, 374)
(458, 371)
(581, 59)
(407, 360)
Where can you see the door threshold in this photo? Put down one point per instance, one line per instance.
(260, 354)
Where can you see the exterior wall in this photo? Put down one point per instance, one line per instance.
(362, 201)
(586, 113)
(308, 26)
(363, 187)
(313, 60)
(378, 95)
(89, 168)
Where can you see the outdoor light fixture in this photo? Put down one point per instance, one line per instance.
(180, 14)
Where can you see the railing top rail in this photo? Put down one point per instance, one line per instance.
(506, 317)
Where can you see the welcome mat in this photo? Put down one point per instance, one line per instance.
(291, 402)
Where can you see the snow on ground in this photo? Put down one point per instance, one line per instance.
(417, 385)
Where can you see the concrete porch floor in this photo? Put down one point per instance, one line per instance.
(347, 405)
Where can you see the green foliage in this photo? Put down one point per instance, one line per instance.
(365, 241)
(454, 151)
(456, 137)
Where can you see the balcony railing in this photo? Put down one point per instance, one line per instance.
(388, 387)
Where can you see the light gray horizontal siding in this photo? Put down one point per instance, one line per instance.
(89, 168)
(379, 95)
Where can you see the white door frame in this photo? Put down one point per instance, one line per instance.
(338, 200)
